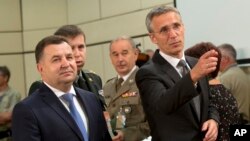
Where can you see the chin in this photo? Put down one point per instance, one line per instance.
(79, 66)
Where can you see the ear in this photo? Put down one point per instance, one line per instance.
(39, 67)
(152, 38)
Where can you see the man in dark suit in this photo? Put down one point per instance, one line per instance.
(175, 99)
(85, 79)
(48, 115)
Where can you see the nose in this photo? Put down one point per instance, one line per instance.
(120, 58)
(76, 52)
(65, 62)
(172, 33)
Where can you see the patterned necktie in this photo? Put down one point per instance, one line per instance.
(196, 100)
(183, 67)
(119, 83)
(75, 114)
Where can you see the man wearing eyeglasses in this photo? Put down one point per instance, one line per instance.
(173, 87)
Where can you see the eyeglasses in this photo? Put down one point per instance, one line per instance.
(164, 31)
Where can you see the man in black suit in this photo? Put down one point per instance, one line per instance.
(175, 96)
(85, 79)
(47, 115)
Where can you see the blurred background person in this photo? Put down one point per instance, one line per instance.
(8, 99)
(235, 79)
(220, 97)
(122, 95)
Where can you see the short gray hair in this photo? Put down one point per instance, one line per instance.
(228, 50)
(157, 11)
(124, 37)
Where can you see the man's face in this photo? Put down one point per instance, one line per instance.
(57, 65)
(79, 50)
(123, 56)
(168, 34)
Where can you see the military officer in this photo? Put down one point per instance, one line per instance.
(122, 95)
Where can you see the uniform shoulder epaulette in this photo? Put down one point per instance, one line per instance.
(110, 79)
(89, 71)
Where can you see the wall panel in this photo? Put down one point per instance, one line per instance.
(10, 15)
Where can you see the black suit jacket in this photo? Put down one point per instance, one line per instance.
(42, 117)
(167, 101)
(94, 84)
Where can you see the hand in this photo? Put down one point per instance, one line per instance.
(206, 64)
(211, 129)
(119, 136)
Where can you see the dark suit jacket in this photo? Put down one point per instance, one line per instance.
(42, 117)
(93, 81)
(167, 101)
(94, 84)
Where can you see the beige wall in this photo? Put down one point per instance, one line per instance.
(24, 23)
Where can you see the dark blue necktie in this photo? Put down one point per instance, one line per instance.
(75, 114)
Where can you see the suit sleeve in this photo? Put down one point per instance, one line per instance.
(24, 125)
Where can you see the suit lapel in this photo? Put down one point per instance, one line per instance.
(52, 101)
(110, 91)
(90, 83)
(171, 72)
(202, 88)
(89, 114)
(166, 67)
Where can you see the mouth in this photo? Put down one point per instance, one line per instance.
(175, 44)
(79, 62)
(66, 73)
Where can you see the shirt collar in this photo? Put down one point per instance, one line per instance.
(59, 93)
(172, 60)
(127, 76)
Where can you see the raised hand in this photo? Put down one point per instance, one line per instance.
(206, 64)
